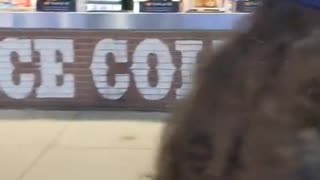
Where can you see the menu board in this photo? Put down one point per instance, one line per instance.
(104, 5)
(56, 5)
(247, 5)
(16, 5)
(204, 6)
(206, 3)
(159, 6)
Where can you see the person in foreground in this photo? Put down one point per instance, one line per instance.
(254, 110)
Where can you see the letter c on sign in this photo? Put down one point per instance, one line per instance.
(23, 48)
(99, 68)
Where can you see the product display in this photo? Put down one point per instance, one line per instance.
(203, 5)
(206, 3)
(81, 5)
(228, 6)
(56, 5)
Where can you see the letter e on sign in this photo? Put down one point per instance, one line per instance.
(51, 68)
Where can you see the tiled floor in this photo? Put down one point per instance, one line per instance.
(78, 145)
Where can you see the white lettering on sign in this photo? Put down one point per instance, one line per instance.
(165, 69)
(51, 69)
(189, 50)
(23, 50)
(99, 68)
(152, 68)
(217, 44)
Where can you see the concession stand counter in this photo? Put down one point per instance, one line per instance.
(74, 60)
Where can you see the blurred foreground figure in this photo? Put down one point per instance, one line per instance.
(254, 110)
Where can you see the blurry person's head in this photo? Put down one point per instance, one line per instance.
(255, 106)
(277, 17)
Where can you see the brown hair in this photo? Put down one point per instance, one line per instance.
(248, 103)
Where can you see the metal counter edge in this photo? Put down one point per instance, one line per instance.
(121, 21)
